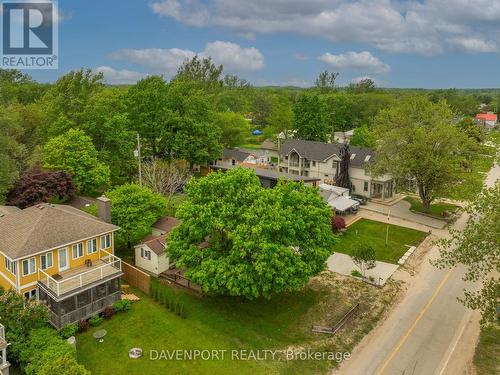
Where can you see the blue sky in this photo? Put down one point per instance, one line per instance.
(406, 43)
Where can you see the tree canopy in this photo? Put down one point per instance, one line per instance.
(238, 238)
(418, 142)
(478, 248)
(74, 153)
(134, 209)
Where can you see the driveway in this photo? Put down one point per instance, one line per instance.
(402, 210)
(342, 263)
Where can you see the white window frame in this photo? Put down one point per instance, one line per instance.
(31, 262)
(366, 186)
(79, 247)
(106, 241)
(11, 265)
(92, 246)
(145, 254)
(45, 257)
(30, 294)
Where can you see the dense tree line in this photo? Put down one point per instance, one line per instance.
(192, 118)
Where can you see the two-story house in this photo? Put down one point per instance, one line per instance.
(322, 160)
(62, 256)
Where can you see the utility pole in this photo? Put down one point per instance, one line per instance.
(139, 157)
(387, 230)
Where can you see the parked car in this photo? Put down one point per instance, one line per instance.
(362, 200)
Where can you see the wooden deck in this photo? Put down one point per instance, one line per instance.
(70, 280)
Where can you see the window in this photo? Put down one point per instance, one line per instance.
(11, 265)
(30, 294)
(29, 266)
(145, 254)
(92, 246)
(105, 241)
(365, 186)
(78, 250)
(46, 261)
(233, 162)
(314, 163)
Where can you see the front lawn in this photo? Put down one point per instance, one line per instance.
(373, 233)
(487, 351)
(437, 210)
(226, 323)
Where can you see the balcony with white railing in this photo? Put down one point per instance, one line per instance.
(69, 281)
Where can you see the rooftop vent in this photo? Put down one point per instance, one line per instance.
(367, 158)
(353, 156)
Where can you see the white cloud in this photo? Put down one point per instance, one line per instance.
(232, 56)
(409, 26)
(118, 77)
(359, 61)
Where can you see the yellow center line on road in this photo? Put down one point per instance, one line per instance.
(403, 338)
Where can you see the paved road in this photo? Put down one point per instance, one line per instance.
(429, 331)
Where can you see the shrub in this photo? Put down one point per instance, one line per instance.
(83, 325)
(122, 305)
(338, 223)
(356, 273)
(95, 320)
(68, 331)
(108, 312)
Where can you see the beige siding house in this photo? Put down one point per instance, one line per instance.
(150, 253)
(321, 160)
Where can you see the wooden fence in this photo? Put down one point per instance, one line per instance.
(137, 278)
(333, 330)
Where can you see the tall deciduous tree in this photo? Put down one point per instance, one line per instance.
(308, 120)
(238, 238)
(134, 209)
(418, 141)
(74, 153)
(478, 248)
(166, 177)
(363, 137)
(234, 128)
(326, 80)
(37, 186)
(343, 179)
(202, 71)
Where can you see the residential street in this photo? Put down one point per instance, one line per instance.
(429, 331)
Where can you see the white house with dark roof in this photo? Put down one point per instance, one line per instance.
(322, 160)
(236, 156)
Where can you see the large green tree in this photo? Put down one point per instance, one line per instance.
(308, 120)
(74, 153)
(240, 239)
(417, 141)
(134, 209)
(363, 137)
(234, 128)
(478, 248)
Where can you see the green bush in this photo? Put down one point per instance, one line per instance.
(47, 353)
(122, 305)
(68, 331)
(95, 320)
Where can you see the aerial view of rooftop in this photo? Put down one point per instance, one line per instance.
(219, 187)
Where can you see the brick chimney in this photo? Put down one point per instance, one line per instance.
(104, 209)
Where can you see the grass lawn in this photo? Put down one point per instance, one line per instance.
(487, 351)
(373, 233)
(436, 209)
(231, 323)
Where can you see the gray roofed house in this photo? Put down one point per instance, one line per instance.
(240, 156)
(322, 160)
(47, 226)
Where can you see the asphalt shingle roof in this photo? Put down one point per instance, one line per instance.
(235, 154)
(320, 151)
(46, 226)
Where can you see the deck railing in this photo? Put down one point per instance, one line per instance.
(82, 278)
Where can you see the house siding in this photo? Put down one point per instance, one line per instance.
(28, 282)
(156, 265)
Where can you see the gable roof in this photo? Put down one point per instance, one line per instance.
(320, 151)
(4, 210)
(156, 244)
(47, 226)
(486, 116)
(269, 145)
(166, 223)
(235, 154)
